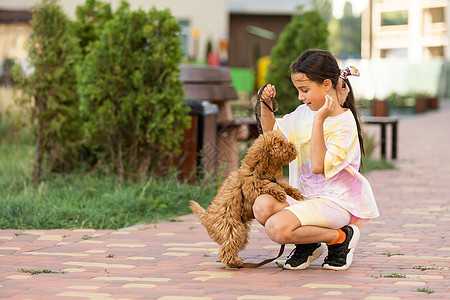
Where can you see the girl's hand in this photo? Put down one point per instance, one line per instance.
(328, 108)
(268, 93)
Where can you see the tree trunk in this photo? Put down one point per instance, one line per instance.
(37, 165)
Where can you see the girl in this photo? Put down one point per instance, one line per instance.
(328, 134)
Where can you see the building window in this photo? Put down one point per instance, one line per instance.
(394, 53)
(436, 51)
(184, 36)
(436, 14)
(391, 18)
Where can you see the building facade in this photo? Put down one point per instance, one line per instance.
(414, 29)
(201, 21)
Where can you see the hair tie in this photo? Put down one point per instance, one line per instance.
(348, 71)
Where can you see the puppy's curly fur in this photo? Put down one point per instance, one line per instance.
(229, 216)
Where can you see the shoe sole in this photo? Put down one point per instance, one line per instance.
(352, 246)
(315, 255)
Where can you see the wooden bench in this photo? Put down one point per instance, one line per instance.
(383, 122)
(213, 84)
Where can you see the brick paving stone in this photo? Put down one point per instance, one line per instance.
(178, 261)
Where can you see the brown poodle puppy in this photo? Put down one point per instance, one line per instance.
(228, 218)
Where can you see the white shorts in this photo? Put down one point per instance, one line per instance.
(322, 212)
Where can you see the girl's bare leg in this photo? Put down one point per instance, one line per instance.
(283, 227)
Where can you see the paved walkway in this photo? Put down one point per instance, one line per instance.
(401, 255)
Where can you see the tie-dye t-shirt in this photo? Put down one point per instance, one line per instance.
(341, 181)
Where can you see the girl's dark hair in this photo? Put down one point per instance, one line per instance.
(319, 65)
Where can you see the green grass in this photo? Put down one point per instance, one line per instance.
(425, 290)
(83, 200)
(370, 164)
(36, 272)
(389, 254)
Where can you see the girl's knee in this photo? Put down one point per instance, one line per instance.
(277, 232)
(263, 208)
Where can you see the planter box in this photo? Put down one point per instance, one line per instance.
(433, 103)
(421, 105)
(380, 108)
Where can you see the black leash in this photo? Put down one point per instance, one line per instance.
(258, 124)
(258, 120)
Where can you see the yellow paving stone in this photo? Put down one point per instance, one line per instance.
(165, 234)
(63, 243)
(126, 245)
(386, 234)
(101, 265)
(444, 249)
(19, 276)
(419, 225)
(327, 286)
(276, 247)
(85, 295)
(425, 277)
(34, 232)
(140, 258)
(401, 240)
(199, 244)
(10, 248)
(74, 270)
(254, 231)
(176, 254)
(263, 297)
(50, 237)
(120, 232)
(55, 254)
(411, 283)
(333, 293)
(83, 287)
(84, 230)
(191, 249)
(113, 278)
(91, 242)
(384, 245)
(183, 298)
(382, 298)
(211, 263)
(433, 201)
(6, 237)
(138, 285)
(377, 222)
(95, 251)
(207, 275)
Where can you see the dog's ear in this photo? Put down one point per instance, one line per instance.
(257, 154)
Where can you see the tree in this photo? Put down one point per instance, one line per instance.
(50, 90)
(130, 80)
(345, 34)
(324, 8)
(350, 32)
(305, 31)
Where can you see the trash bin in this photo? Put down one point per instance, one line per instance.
(199, 146)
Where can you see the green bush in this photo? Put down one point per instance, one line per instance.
(90, 19)
(305, 31)
(50, 90)
(131, 97)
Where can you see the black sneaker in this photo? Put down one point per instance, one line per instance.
(340, 256)
(303, 255)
